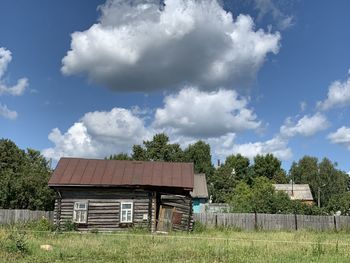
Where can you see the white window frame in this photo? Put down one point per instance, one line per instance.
(78, 212)
(131, 210)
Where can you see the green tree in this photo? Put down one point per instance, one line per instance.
(305, 171)
(339, 202)
(23, 178)
(239, 165)
(241, 201)
(331, 181)
(158, 149)
(11, 157)
(263, 195)
(199, 154)
(119, 156)
(138, 153)
(269, 166)
(323, 177)
(223, 182)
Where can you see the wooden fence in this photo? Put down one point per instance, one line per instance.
(10, 216)
(247, 221)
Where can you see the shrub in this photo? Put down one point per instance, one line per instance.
(69, 226)
(42, 224)
(94, 231)
(15, 242)
(198, 227)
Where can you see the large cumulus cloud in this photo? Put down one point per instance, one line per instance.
(196, 113)
(98, 134)
(142, 46)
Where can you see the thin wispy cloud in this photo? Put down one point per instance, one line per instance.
(17, 89)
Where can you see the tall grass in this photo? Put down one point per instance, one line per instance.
(208, 245)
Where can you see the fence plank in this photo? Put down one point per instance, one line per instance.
(11, 216)
(246, 221)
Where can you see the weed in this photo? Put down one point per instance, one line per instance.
(15, 242)
(94, 231)
(42, 224)
(69, 226)
(318, 249)
(199, 227)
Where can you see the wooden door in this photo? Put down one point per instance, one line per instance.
(165, 218)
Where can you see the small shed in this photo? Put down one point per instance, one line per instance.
(199, 194)
(114, 195)
(300, 192)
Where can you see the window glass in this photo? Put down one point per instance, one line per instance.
(129, 216)
(126, 206)
(126, 212)
(80, 212)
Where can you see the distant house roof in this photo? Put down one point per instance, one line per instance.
(200, 189)
(296, 191)
(92, 172)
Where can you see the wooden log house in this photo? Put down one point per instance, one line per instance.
(111, 195)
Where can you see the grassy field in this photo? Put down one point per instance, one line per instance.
(208, 246)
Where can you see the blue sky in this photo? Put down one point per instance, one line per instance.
(91, 78)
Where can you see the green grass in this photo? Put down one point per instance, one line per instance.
(215, 245)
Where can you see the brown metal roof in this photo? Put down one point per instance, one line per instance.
(200, 189)
(93, 172)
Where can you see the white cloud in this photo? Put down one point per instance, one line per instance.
(306, 126)
(269, 7)
(222, 146)
(5, 59)
(303, 106)
(137, 46)
(98, 134)
(341, 136)
(277, 146)
(17, 89)
(203, 114)
(338, 95)
(7, 113)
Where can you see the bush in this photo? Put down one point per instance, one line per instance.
(42, 224)
(69, 226)
(198, 227)
(94, 231)
(15, 242)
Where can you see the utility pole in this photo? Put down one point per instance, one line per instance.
(318, 187)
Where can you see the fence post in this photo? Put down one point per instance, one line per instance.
(216, 220)
(335, 223)
(255, 220)
(296, 221)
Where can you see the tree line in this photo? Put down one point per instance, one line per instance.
(24, 175)
(247, 186)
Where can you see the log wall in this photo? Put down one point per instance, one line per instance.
(182, 204)
(104, 207)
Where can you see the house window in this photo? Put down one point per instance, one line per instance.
(80, 212)
(126, 212)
